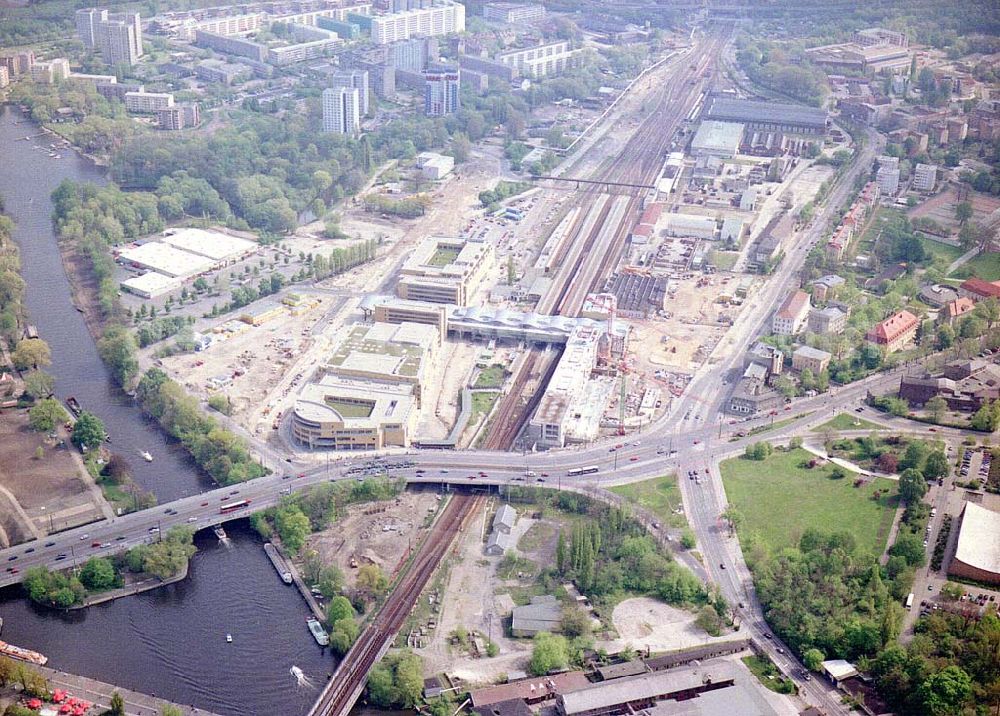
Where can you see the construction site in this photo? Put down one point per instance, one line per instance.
(606, 293)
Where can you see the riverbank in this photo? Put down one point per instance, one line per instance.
(83, 286)
(130, 589)
(99, 692)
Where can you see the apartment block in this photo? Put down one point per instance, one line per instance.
(148, 102)
(540, 61)
(792, 315)
(441, 90)
(181, 116)
(442, 18)
(924, 177)
(513, 13)
(354, 79)
(342, 110)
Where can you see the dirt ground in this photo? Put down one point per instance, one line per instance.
(41, 496)
(375, 533)
(477, 599)
(440, 395)
(941, 208)
(646, 623)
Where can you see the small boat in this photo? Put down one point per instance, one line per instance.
(229, 638)
(220, 533)
(318, 632)
(146, 456)
(74, 406)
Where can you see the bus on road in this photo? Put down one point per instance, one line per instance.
(234, 506)
(582, 470)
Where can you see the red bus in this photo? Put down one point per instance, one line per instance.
(233, 506)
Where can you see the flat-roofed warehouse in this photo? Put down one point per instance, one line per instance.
(719, 139)
(787, 118)
(977, 552)
(150, 284)
(632, 693)
(166, 260)
(210, 244)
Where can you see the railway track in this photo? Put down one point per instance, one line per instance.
(348, 681)
(597, 244)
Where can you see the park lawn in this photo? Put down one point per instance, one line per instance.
(491, 377)
(482, 403)
(778, 500)
(846, 421)
(659, 495)
(943, 254)
(985, 266)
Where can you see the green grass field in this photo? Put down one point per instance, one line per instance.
(846, 421)
(491, 377)
(659, 495)
(985, 266)
(779, 500)
(943, 253)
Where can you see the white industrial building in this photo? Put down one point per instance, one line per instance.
(210, 244)
(166, 259)
(720, 139)
(691, 225)
(151, 284)
(435, 166)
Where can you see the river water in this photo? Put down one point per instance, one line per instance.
(171, 641)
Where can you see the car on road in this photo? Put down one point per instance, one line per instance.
(204, 504)
(29, 550)
(634, 458)
(695, 441)
(153, 530)
(120, 538)
(95, 545)
(12, 558)
(443, 471)
(192, 519)
(60, 557)
(50, 544)
(545, 474)
(722, 565)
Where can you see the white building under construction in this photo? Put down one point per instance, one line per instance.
(571, 408)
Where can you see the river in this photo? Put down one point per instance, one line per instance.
(171, 641)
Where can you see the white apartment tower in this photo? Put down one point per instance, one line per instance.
(342, 110)
(355, 79)
(441, 18)
(117, 35)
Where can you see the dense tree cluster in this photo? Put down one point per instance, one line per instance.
(785, 70)
(397, 681)
(611, 552)
(219, 452)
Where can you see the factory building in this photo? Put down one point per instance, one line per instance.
(769, 116)
(718, 139)
(445, 270)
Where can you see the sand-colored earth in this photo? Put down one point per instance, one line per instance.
(645, 623)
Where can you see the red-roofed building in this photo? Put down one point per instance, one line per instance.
(792, 315)
(533, 690)
(642, 233)
(977, 289)
(955, 309)
(894, 332)
(652, 214)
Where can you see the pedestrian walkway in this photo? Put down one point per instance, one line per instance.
(136, 704)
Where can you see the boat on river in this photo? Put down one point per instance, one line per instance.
(146, 456)
(318, 632)
(74, 406)
(17, 652)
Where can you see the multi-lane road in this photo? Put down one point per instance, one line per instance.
(673, 443)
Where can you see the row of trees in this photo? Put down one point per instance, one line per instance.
(218, 451)
(11, 283)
